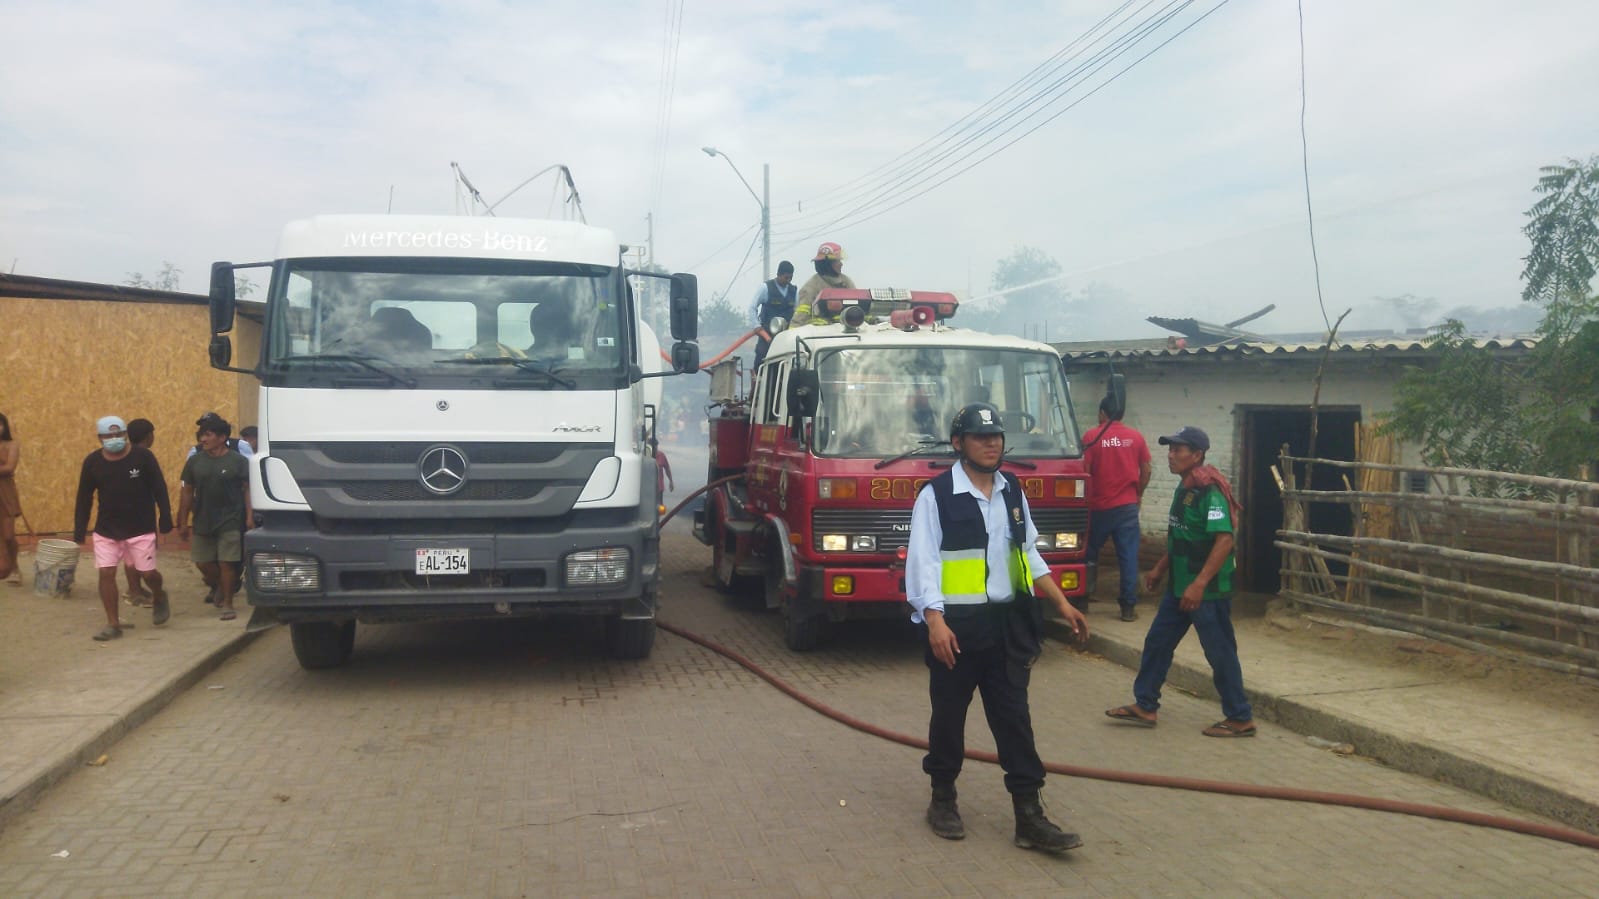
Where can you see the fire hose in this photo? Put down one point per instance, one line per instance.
(1257, 791)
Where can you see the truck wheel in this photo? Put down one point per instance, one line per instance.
(322, 644)
(629, 638)
(802, 633)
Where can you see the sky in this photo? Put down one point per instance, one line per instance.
(136, 135)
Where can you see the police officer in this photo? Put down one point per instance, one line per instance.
(973, 575)
(774, 300)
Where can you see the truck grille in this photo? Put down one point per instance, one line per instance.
(891, 527)
(408, 453)
(1060, 521)
(412, 492)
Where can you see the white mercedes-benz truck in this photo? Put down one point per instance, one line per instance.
(454, 423)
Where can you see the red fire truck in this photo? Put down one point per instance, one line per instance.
(842, 425)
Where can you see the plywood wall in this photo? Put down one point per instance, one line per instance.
(65, 363)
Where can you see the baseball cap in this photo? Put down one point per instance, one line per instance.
(110, 425)
(1188, 435)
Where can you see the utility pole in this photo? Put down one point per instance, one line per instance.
(649, 237)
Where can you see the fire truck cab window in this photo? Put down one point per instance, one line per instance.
(882, 401)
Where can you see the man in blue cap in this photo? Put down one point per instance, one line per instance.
(1199, 560)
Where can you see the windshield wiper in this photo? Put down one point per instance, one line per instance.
(528, 365)
(924, 445)
(1004, 459)
(361, 359)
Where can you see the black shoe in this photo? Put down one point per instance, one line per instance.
(943, 815)
(1034, 831)
(1129, 613)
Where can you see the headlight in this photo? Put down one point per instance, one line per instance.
(863, 543)
(286, 573)
(1067, 541)
(593, 567)
(834, 543)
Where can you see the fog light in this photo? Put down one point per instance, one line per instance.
(285, 573)
(1067, 541)
(834, 543)
(863, 543)
(1068, 580)
(592, 567)
(843, 584)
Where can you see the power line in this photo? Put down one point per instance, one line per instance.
(743, 264)
(723, 248)
(663, 114)
(941, 163)
(1304, 159)
(862, 212)
(1015, 87)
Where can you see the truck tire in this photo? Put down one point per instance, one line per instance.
(322, 644)
(629, 638)
(801, 633)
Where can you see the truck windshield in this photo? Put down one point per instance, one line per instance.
(438, 321)
(878, 402)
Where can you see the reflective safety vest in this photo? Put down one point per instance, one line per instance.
(963, 549)
(779, 301)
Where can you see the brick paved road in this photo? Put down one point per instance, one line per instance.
(510, 759)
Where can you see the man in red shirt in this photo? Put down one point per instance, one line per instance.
(1118, 465)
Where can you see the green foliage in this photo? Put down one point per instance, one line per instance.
(167, 279)
(720, 318)
(1476, 409)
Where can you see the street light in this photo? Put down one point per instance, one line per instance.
(765, 203)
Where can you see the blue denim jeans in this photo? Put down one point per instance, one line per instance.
(1119, 524)
(1213, 621)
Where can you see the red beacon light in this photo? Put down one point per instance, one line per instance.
(906, 309)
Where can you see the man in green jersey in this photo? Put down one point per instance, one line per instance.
(1199, 560)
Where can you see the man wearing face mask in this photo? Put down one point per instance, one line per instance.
(132, 491)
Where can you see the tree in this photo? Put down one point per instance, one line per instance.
(718, 317)
(1483, 411)
(1035, 294)
(166, 280)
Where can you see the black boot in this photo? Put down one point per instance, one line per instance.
(943, 815)
(1034, 831)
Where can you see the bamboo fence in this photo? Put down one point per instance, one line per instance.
(1497, 562)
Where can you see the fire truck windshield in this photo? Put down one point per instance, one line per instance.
(879, 401)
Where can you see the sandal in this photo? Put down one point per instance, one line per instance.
(229, 614)
(1230, 728)
(1131, 714)
(110, 633)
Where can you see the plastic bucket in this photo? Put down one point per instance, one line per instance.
(55, 565)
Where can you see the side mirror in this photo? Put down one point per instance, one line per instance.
(804, 391)
(685, 307)
(221, 350)
(223, 300)
(1116, 392)
(685, 357)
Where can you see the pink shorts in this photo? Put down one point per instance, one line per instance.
(137, 551)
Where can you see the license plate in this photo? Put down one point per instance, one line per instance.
(442, 561)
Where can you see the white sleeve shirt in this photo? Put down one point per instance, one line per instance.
(922, 567)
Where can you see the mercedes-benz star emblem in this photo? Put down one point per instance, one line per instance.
(442, 469)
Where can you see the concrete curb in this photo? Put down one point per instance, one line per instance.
(129, 716)
(1413, 755)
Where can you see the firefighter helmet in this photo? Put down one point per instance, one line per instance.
(828, 250)
(976, 418)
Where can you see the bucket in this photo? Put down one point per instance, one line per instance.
(55, 564)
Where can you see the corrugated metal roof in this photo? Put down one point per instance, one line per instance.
(1170, 348)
